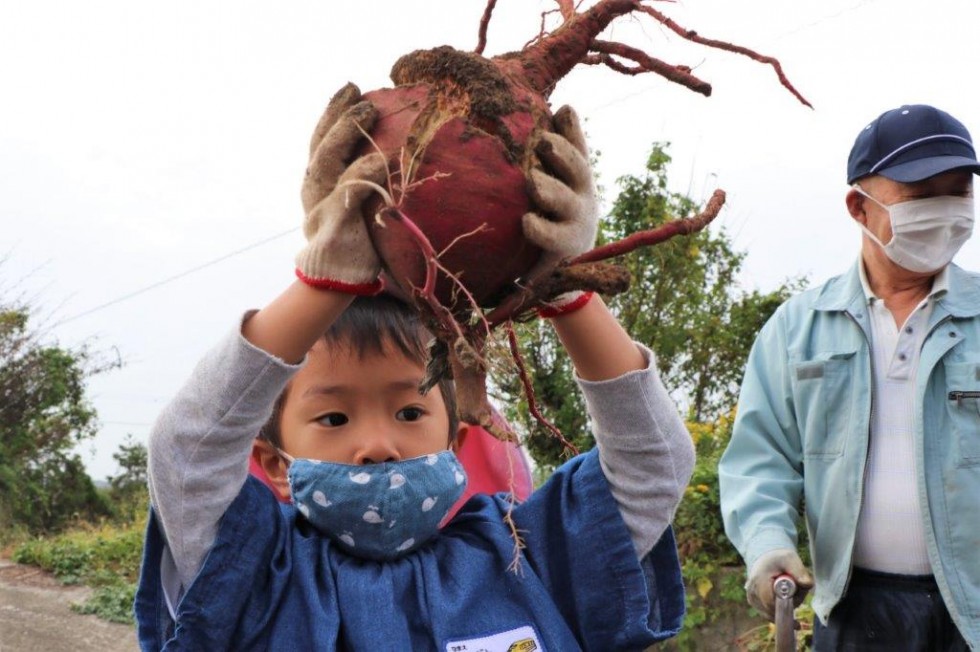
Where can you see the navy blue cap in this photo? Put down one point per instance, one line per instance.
(912, 143)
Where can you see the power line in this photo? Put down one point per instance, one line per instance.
(175, 277)
(823, 19)
(126, 423)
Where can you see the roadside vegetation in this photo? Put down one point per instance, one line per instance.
(104, 554)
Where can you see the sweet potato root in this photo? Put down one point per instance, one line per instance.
(459, 131)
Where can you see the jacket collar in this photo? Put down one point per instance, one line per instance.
(846, 293)
(843, 293)
(963, 298)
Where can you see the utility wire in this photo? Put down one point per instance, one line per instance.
(817, 21)
(127, 423)
(170, 279)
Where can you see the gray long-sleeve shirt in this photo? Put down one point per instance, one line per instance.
(200, 445)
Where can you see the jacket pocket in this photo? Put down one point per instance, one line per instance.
(822, 396)
(963, 407)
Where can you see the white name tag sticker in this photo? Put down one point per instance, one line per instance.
(522, 639)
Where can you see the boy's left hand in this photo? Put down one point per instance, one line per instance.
(565, 195)
(569, 209)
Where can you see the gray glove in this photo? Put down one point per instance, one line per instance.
(767, 568)
(339, 254)
(566, 198)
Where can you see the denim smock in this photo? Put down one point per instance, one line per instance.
(272, 582)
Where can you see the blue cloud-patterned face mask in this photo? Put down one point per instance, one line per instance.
(377, 511)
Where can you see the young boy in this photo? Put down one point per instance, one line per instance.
(358, 561)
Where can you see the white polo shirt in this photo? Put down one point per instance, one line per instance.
(890, 533)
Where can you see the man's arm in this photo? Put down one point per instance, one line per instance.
(645, 451)
(761, 472)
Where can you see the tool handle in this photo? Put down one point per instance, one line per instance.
(784, 588)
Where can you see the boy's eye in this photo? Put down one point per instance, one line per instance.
(410, 414)
(333, 419)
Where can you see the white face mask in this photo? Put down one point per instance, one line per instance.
(926, 233)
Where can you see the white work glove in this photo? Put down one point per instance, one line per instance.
(339, 254)
(766, 569)
(566, 198)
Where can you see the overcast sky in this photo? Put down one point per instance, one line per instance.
(141, 140)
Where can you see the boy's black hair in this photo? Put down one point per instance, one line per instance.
(367, 326)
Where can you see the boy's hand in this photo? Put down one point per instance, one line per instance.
(566, 198)
(567, 227)
(339, 254)
(766, 569)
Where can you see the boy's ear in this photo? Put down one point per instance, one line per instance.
(273, 466)
(461, 431)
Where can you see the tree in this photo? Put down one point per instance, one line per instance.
(684, 303)
(131, 458)
(129, 492)
(44, 414)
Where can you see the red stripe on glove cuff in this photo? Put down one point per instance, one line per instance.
(578, 302)
(360, 289)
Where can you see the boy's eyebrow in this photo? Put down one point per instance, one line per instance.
(328, 390)
(409, 383)
(333, 390)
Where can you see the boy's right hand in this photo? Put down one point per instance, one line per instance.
(339, 254)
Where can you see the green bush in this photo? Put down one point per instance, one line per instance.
(700, 531)
(87, 555)
(112, 602)
(106, 557)
(713, 571)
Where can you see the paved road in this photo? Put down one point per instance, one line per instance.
(35, 615)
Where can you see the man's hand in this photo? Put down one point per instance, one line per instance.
(565, 196)
(766, 569)
(339, 254)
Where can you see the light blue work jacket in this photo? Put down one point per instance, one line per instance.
(802, 430)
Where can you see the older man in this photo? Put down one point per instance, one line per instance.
(861, 406)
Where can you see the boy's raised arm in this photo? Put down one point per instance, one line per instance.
(199, 447)
(292, 323)
(599, 347)
(645, 451)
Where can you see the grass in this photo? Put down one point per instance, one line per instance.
(105, 557)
